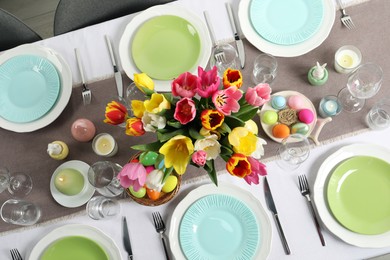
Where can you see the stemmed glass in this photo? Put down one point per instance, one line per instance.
(18, 184)
(363, 83)
(293, 151)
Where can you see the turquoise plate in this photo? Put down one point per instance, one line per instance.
(219, 227)
(74, 247)
(29, 87)
(166, 46)
(358, 194)
(286, 22)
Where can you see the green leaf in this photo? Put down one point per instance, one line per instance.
(174, 124)
(195, 134)
(163, 137)
(246, 112)
(147, 91)
(209, 167)
(226, 150)
(167, 172)
(155, 146)
(224, 128)
(233, 121)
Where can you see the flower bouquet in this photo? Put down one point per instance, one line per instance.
(202, 118)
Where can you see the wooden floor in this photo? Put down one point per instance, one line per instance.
(38, 14)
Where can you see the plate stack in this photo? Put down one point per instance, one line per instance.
(35, 87)
(286, 28)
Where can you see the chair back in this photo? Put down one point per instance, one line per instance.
(14, 32)
(71, 15)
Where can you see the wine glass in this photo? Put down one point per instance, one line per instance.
(294, 150)
(102, 176)
(363, 83)
(18, 184)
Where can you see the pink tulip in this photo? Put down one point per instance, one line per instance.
(199, 158)
(257, 168)
(209, 82)
(258, 95)
(226, 100)
(185, 110)
(132, 174)
(185, 85)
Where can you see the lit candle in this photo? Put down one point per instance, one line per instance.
(69, 182)
(347, 58)
(104, 145)
(329, 106)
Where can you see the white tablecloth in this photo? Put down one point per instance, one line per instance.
(293, 211)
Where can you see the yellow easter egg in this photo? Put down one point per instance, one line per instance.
(170, 184)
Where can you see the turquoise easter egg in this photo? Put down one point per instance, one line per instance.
(148, 158)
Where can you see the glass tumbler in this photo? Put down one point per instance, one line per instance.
(264, 69)
(102, 175)
(378, 117)
(100, 207)
(224, 56)
(4, 178)
(293, 151)
(20, 212)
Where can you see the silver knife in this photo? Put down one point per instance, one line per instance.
(239, 43)
(271, 206)
(126, 239)
(117, 73)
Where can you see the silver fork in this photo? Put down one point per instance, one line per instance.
(15, 254)
(86, 93)
(345, 18)
(160, 228)
(219, 55)
(305, 191)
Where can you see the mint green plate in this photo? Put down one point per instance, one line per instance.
(286, 22)
(165, 46)
(29, 87)
(219, 227)
(358, 194)
(74, 247)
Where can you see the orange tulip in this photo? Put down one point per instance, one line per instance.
(238, 165)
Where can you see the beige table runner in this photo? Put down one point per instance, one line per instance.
(27, 151)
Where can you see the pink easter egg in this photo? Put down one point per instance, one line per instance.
(305, 116)
(83, 130)
(295, 102)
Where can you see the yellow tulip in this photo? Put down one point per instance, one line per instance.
(177, 152)
(142, 80)
(138, 108)
(243, 141)
(156, 104)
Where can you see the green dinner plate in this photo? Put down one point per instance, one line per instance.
(219, 227)
(165, 46)
(286, 22)
(74, 247)
(358, 194)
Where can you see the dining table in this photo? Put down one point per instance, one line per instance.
(26, 151)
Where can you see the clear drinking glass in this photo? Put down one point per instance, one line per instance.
(378, 117)
(100, 207)
(102, 175)
(224, 56)
(363, 83)
(20, 212)
(293, 151)
(264, 69)
(4, 178)
(18, 184)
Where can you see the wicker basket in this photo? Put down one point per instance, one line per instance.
(164, 197)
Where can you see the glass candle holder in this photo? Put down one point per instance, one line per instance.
(104, 145)
(347, 58)
(329, 107)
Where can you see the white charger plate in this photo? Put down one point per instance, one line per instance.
(125, 44)
(319, 196)
(78, 199)
(286, 50)
(90, 232)
(65, 74)
(246, 197)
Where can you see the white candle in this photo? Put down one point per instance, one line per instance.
(104, 145)
(347, 58)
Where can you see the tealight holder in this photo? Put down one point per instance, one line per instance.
(104, 145)
(347, 58)
(329, 107)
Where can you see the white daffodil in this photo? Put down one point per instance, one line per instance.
(210, 145)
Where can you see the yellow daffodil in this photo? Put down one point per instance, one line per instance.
(142, 80)
(243, 141)
(177, 152)
(156, 104)
(138, 108)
